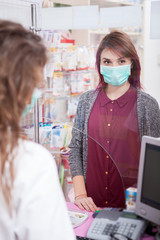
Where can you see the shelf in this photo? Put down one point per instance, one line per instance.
(87, 69)
(50, 91)
(99, 32)
(112, 3)
(136, 34)
(100, 3)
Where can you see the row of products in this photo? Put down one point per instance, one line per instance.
(60, 109)
(51, 38)
(55, 136)
(67, 83)
(59, 103)
(56, 38)
(132, 30)
(70, 58)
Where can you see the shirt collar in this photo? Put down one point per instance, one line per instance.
(103, 98)
(121, 100)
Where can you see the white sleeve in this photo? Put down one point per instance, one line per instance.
(40, 208)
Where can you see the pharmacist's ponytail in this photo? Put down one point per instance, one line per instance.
(22, 58)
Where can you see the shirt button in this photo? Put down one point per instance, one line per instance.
(108, 124)
(111, 109)
(107, 156)
(106, 202)
(107, 141)
(106, 188)
(106, 173)
(112, 102)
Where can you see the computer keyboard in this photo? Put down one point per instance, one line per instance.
(103, 229)
(125, 228)
(83, 238)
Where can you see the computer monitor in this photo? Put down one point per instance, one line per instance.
(148, 189)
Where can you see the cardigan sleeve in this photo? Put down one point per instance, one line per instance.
(149, 115)
(76, 145)
(154, 118)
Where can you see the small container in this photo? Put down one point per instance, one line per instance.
(131, 194)
(65, 157)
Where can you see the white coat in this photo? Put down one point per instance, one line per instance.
(39, 209)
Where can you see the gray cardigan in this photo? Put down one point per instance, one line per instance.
(148, 123)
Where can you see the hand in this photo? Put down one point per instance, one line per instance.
(86, 203)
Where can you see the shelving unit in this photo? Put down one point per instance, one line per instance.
(95, 36)
(112, 3)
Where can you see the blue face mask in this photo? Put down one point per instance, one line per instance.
(36, 94)
(115, 76)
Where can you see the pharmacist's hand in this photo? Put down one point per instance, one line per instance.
(86, 203)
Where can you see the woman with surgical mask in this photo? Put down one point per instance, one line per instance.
(109, 125)
(32, 205)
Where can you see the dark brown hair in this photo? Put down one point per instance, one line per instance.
(22, 58)
(120, 43)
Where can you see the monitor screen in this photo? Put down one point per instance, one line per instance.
(148, 189)
(150, 195)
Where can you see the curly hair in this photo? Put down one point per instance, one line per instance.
(22, 58)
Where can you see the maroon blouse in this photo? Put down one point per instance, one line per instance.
(113, 149)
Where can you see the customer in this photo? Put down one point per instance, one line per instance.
(109, 125)
(32, 206)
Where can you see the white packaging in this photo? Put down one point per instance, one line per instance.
(131, 194)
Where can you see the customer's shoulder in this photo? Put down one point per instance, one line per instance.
(88, 94)
(146, 98)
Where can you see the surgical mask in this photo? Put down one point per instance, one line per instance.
(36, 94)
(115, 76)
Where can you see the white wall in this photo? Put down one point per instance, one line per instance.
(151, 75)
